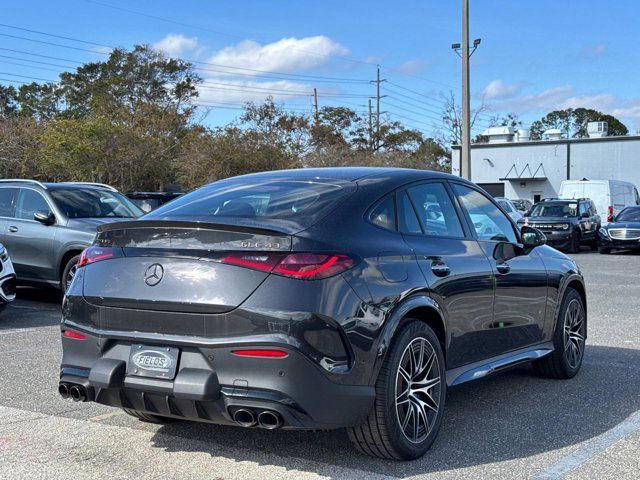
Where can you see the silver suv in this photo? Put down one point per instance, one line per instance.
(45, 226)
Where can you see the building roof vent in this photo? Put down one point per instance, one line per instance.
(523, 135)
(499, 134)
(597, 129)
(553, 134)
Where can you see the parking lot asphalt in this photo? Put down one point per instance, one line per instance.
(509, 426)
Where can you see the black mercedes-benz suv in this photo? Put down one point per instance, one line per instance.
(567, 224)
(318, 299)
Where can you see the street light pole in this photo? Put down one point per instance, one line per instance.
(465, 158)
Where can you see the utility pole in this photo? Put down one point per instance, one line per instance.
(465, 158)
(465, 54)
(378, 81)
(315, 104)
(370, 127)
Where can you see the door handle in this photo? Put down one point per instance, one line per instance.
(440, 269)
(13, 229)
(503, 268)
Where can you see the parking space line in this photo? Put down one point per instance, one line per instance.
(585, 453)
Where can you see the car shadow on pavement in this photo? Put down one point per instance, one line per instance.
(20, 313)
(509, 416)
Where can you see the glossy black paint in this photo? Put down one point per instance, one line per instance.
(623, 232)
(487, 300)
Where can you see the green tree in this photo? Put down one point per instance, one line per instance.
(573, 123)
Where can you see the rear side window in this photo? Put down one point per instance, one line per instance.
(298, 204)
(29, 202)
(384, 214)
(7, 201)
(407, 219)
(435, 210)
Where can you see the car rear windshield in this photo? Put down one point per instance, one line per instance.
(292, 205)
(561, 210)
(629, 215)
(93, 203)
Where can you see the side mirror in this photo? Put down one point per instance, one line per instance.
(45, 217)
(532, 237)
(585, 215)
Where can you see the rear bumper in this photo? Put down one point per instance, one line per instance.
(7, 282)
(211, 383)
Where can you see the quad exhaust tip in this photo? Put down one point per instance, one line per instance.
(78, 393)
(244, 417)
(269, 420)
(63, 390)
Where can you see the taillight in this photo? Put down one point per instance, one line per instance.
(261, 353)
(258, 261)
(307, 266)
(610, 214)
(74, 335)
(95, 254)
(313, 265)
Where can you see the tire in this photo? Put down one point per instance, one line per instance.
(561, 364)
(593, 245)
(604, 250)
(381, 434)
(574, 245)
(68, 272)
(147, 417)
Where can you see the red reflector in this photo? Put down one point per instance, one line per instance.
(74, 335)
(95, 254)
(265, 353)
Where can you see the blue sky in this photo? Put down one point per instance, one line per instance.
(534, 57)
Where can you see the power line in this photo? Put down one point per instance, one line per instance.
(230, 67)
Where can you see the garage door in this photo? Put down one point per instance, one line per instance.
(493, 189)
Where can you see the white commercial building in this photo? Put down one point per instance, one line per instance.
(513, 166)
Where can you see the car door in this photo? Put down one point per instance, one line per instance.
(588, 222)
(30, 243)
(520, 275)
(457, 271)
(8, 197)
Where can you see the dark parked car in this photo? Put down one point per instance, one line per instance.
(622, 233)
(148, 201)
(317, 299)
(7, 279)
(45, 226)
(522, 204)
(568, 224)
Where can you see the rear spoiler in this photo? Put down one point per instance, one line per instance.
(134, 224)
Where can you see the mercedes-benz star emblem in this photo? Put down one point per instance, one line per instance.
(153, 274)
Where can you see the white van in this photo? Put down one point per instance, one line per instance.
(609, 196)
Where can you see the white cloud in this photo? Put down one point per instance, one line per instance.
(591, 51)
(562, 97)
(176, 45)
(242, 82)
(550, 99)
(286, 55)
(412, 67)
(497, 89)
(242, 91)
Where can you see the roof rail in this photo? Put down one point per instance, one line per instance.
(94, 184)
(23, 180)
